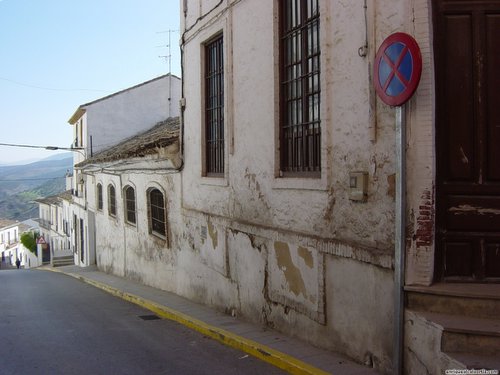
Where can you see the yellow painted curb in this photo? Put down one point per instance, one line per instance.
(263, 352)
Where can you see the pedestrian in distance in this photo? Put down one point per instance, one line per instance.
(18, 263)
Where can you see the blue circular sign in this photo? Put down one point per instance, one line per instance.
(397, 70)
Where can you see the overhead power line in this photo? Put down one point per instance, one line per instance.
(50, 148)
(47, 88)
(32, 179)
(18, 145)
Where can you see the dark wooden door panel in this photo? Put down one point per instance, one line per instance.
(459, 259)
(458, 136)
(492, 66)
(474, 258)
(492, 259)
(467, 213)
(467, 67)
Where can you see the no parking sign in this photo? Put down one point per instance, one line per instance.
(397, 69)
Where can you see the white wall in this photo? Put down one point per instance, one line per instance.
(131, 111)
(10, 235)
(130, 249)
(292, 253)
(28, 259)
(298, 249)
(108, 121)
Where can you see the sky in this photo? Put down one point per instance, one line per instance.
(58, 54)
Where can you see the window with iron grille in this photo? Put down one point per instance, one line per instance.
(157, 212)
(300, 125)
(130, 204)
(214, 108)
(99, 197)
(111, 200)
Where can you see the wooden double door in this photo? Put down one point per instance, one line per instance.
(467, 76)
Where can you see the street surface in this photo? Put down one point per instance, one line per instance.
(54, 324)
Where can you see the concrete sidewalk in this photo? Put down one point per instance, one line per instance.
(7, 266)
(285, 352)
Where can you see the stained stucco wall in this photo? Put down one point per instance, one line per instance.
(421, 166)
(294, 254)
(304, 257)
(129, 249)
(251, 190)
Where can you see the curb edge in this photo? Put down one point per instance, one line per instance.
(263, 352)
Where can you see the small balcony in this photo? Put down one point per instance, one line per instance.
(46, 224)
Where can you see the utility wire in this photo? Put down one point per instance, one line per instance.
(17, 145)
(31, 179)
(50, 148)
(47, 88)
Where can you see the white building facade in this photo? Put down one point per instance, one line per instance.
(103, 123)
(11, 248)
(270, 211)
(9, 241)
(134, 191)
(288, 189)
(278, 202)
(55, 226)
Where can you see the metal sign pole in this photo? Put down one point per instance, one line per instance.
(399, 242)
(397, 70)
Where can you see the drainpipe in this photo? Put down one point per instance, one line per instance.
(182, 102)
(124, 234)
(399, 242)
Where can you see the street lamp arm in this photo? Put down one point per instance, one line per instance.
(51, 148)
(18, 145)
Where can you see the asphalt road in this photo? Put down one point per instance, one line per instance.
(54, 324)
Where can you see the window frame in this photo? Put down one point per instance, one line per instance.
(130, 205)
(154, 208)
(300, 92)
(99, 197)
(111, 200)
(214, 146)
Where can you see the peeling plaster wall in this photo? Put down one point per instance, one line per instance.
(295, 278)
(421, 157)
(248, 270)
(130, 250)
(361, 309)
(251, 190)
(294, 254)
(109, 229)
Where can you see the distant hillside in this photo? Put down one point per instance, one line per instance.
(17, 178)
(55, 156)
(21, 184)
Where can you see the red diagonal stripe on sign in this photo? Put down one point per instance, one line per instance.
(394, 68)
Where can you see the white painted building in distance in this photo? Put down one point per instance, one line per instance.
(133, 192)
(103, 123)
(11, 247)
(55, 227)
(9, 240)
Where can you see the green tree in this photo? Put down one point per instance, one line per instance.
(28, 239)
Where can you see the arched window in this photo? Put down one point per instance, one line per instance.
(111, 200)
(130, 204)
(99, 197)
(157, 212)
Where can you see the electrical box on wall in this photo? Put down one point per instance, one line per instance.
(358, 186)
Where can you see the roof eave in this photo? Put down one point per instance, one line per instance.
(77, 115)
